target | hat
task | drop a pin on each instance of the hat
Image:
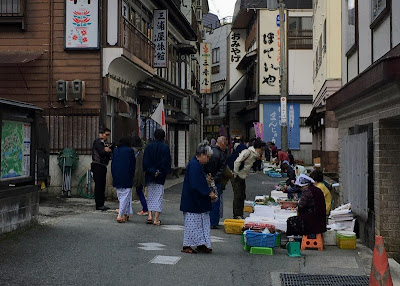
(303, 180)
(285, 161)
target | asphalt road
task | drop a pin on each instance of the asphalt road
(76, 245)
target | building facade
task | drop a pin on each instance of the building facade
(367, 109)
(96, 63)
(327, 74)
(215, 119)
(255, 78)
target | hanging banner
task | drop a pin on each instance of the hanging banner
(205, 68)
(160, 24)
(81, 24)
(270, 52)
(272, 124)
(259, 130)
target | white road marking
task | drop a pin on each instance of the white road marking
(151, 246)
(172, 227)
(216, 239)
(161, 259)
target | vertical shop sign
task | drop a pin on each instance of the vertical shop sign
(205, 68)
(160, 24)
(270, 53)
(81, 24)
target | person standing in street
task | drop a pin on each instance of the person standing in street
(100, 157)
(156, 165)
(196, 203)
(215, 168)
(241, 169)
(123, 170)
(139, 179)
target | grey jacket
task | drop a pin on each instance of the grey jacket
(138, 179)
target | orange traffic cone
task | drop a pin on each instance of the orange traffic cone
(380, 271)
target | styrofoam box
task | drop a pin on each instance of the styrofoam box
(330, 237)
(278, 194)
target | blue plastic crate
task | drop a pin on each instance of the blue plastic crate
(258, 239)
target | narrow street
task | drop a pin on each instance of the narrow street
(75, 245)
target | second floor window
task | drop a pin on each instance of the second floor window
(351, 24)
(300, 32)
(215, 55)
(378, 6)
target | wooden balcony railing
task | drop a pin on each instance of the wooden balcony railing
(13, 11)
(300, 39)
(137, 43)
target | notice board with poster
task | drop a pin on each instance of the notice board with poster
(15, 149)
(82, 25)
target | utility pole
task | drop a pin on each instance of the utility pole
(284, 76)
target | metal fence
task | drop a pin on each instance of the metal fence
(72, 128)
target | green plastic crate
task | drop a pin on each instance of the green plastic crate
(262, 250)
(242, 238)
(246, 247)
(278, 240)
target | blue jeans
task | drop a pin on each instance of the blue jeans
(293, 190)
(139, 192)
(214, 214)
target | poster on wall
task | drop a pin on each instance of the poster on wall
(15, 149)
(270, 53)
(160, 24)
(272, 124)
(82, 24)
(205, 68)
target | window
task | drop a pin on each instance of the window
(300, 30)
(378, 6)
(215, 69)
(351, 25)
(215, 55)
(214, 97)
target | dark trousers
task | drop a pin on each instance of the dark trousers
(239, 195)
(139, 192)
(99, 176)
(215, 211)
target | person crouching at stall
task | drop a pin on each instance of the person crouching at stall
(123, 170)
(311, 217)
(196, 203)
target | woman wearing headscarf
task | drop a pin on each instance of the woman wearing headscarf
(311, 217)
(196, 203)
(123, 169)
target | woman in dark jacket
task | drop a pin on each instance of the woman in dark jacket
(123, 170)
(196, 203)
(311, 209)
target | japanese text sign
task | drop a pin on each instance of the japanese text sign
(270, 53)
(81, 24)
(205, 68)
(160, 24)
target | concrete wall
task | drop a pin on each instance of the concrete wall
(331, 67)
(19, 210)
(300, 65)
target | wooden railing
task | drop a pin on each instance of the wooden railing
(137, 43)
(12, 8)
(300, 39)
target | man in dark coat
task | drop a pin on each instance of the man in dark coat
(156, 165)
(216, 167)
(101, 155)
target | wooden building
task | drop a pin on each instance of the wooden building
(106, 50)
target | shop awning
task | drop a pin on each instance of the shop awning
(19, 57)
(180, 118)
(316, 114)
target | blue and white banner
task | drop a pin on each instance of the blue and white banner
(272, 124)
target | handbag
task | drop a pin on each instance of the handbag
(295, 226)
(214, 189)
